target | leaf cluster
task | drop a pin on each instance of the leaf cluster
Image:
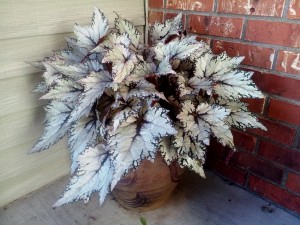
(120, 101)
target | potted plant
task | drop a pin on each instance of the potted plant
(121, 102)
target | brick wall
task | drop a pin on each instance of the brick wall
(267, 33)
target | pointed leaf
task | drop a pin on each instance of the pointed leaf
(57, 113)
(82, 134)
(137, 140)
(89, 36)
(94, 86)
(125, 26)
(93, 175)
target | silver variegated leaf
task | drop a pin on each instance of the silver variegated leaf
(94, 86)
(193, 164)
(167, 150)
(164, 67)
(123, 61)
(64, 90)
(141, 70)
(183, 87)
(129, 109)
(137, 140)
(237, 84)
(178, 49)
(41, 88)
(160, 32)
(57, 113)
(144, 89)
(125, 26)
(198, 129)
(215, 115)
(82, 134)
(51, 75)
(89, 36)
(94, 174)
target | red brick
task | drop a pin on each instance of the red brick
(294, 9)
(254, 55)
(155, 16)
(216, 26)
(172, 15)
(156, 3)
(195, 5)
(243, 140)
(232, 173)
(293, 183)
(260, 8)
(259, 167)
(284, 156)
(205, 40)
(277, 132)
(284, 111)
(255, 105)
(275, 193)
(277, 85)
(276, 33)
(288, 62)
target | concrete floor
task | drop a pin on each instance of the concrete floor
(196, 201)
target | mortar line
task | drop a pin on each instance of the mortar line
(215, 6)
(274, 63)
(285, 8)
(232, 15)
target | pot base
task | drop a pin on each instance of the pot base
(149, 186)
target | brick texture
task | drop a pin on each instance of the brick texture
(284, 111)
(257, 166)
(288, 62)
(283, 156)
(293, 183)
(268, 35)
(155, 16)
(195, 5)
(275, 193)
(277, 85)
(276, 132)
(277, 33)
(216, 26)
(254, 55)
(156, 3)
(260, 8)
(294, 9)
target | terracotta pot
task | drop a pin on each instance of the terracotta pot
(149, 186)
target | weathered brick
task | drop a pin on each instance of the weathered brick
(277, 85)
(278, 33)
(243, 140)
(284, 156)
(216, 26)
(234, 174)
(254, 55)
(255, 105)
(288, 62)
(294, 9)
(205, 40)
(156, 3)
(275, 193)
(195, 5)
(277, 132)
(260, 8)
(155, 16)
(284, 111)
(293, 182)
(257, 166)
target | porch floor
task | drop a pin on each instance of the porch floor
(196, 201)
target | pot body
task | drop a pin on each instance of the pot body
(149, 186)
